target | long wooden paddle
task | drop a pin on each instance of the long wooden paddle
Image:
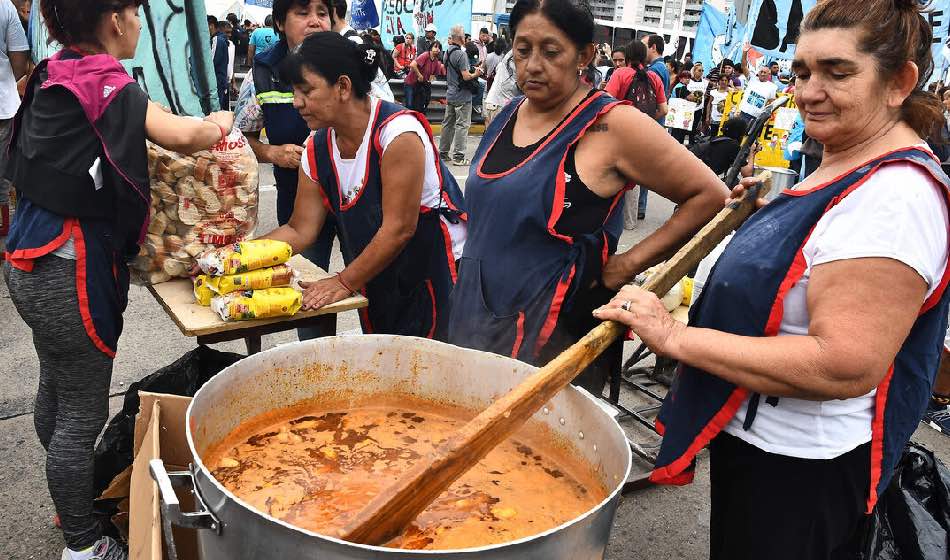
(392, 510)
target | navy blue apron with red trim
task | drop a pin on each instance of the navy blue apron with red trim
(411, 295)
(518, 274)
(744, 296)
(102, 246)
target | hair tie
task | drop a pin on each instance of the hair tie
(369, 56)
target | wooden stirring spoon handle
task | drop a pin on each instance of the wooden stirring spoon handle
(390, 512)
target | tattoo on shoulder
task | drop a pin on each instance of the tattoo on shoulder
(599, 127)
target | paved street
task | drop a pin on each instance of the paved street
(656, 523)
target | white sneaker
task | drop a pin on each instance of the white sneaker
(105, 548)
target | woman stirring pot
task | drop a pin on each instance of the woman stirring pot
(373, 165)
(812, 350)
(544, 199)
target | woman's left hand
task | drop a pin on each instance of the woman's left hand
(644, 313)
(322, 293)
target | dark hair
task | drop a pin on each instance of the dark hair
(636, 53)
(435, 43)
(332, 55)
(572, 17)
(71, 22)
(734, 128)
(483, 30)
(773, 63)
(619, 50)
(676, 65)
(684, 74)
(232, 17)
(282, 8)
(893, 32)
(500, 46)
(247, 22)
(339, 8)
(212, 20)
(471, 49)
(269, 20)
(657, 42)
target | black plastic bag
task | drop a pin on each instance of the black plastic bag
(912, 518)
(184, 378)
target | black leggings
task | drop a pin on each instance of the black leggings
(72, 402)
(772, 506)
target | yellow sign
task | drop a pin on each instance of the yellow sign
(772, 139)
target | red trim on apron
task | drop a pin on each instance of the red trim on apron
(22, 259)
(672, 472)
(447, 237)
(557, 206)
(820, 186)
(877, 437)
(554, 311)
(314, 176)
(519, 337)
(83, 296)
(434, 310)
(331, 135)
(573, 114)
(364, 316)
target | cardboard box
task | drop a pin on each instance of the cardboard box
(159, 434)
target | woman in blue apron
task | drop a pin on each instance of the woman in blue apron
(812, 349)
(544, 199)
(78, 161)
(266, 103)
(373, 166)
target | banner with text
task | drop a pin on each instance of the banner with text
(405, 16)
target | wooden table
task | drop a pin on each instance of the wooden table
(178, 299)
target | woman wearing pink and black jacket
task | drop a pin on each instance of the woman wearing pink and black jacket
(78, 161)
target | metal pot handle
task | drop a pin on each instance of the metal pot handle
(171, 509)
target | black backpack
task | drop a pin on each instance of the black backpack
(470, 85)
(641, 94)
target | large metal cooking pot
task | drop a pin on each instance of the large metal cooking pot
(360, 366)
(782, 178)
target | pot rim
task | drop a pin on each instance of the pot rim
(200, 466)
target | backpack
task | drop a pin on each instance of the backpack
(641, 94)
(470, 85)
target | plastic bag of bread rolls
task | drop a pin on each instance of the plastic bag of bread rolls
(244, 257)
(198, 202)
(257, 304)
(270, 277)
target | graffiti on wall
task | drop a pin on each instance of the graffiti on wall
(173, 59)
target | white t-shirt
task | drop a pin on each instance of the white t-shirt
(12, 39)
(351, 172)
(717, 105)
(756, 97)
(899, 213)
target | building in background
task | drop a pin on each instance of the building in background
(674, 17)
(602, 9)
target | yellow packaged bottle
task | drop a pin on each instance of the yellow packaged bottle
(263, 278)
(257, 304)
(245, 256)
